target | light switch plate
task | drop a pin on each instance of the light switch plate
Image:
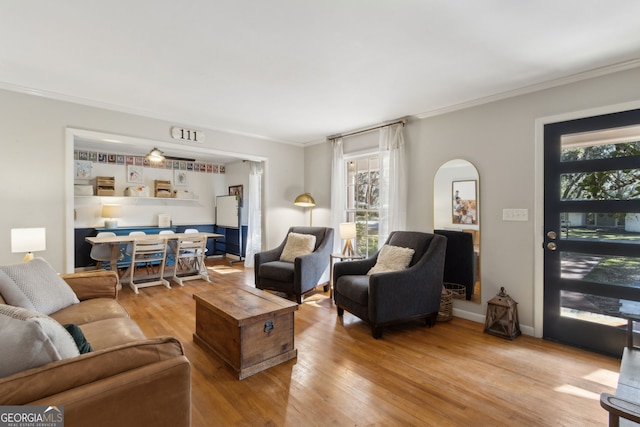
(515, 214)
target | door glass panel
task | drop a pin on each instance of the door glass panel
(595, 308)
(601, 185)
(604, 269)
(605, 151)
(601, 144)
(601, 227)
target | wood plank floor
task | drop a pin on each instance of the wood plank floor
(449, 375)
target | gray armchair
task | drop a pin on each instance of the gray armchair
(383, 299)
(300, 276)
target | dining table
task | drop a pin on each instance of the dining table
(116, 241)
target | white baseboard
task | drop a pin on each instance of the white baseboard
(480, 318)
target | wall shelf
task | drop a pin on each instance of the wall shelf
(138, 200)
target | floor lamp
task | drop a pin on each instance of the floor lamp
(305, 200)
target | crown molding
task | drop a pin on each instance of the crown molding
(596, 72)
(183, 121)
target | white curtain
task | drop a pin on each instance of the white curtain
(393, 181)
(338, 192)
(254, 212)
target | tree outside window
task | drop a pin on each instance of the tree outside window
(363, 201)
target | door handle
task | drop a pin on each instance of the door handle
(552, 235)
(552, 246)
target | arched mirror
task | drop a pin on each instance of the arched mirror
(456, 214)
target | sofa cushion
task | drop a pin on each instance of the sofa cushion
(12, 294)
(297, 245)
(392, 258)
(89, 311)
(41, 284)
(31, 339)
(107, 333)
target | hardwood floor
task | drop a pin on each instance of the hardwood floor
(449, 375)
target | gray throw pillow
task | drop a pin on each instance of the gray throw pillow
(12, 294)
(41, 285)
(31, 339)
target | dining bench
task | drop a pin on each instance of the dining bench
(625, 403)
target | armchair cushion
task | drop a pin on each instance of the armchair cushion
(392, 258)
(357, 290)
(297, 245)
(30, 340)
(42, 286)
(278, 270)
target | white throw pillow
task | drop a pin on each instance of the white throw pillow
(41, 285)
(30, 340)
(297, 245)
(392, 258)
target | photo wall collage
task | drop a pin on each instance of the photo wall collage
(84, 159)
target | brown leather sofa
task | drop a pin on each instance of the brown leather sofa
(127, 380)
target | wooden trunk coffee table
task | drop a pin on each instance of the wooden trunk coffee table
(250, 329)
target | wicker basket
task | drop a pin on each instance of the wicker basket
(446, 306)
(458, 291)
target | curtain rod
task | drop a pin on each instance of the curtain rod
(355, 132)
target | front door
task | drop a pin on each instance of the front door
(592, 229)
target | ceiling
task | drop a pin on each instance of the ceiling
(298, 70)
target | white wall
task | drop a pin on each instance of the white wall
(32, 139)
(499, 138)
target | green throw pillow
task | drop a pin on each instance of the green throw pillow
(78, 337)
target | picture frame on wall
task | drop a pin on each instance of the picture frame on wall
(180, 178)
(135, 174)
(464, 202)
(236, 190)
(83, 169)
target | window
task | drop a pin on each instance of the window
(363, 200)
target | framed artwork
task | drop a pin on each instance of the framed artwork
(464, 208)
(135, 174)
(83, 169)
(235, 190)
(180, 178)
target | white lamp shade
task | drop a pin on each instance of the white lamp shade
(348, 230)
(110, 211)
(28, 239)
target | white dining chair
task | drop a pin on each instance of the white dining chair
(147, 251)
(101, 252)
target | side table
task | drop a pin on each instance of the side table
(341, 257)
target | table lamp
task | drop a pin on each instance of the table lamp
(305, 200)
(110, 212)
(28, 240)
(348, 232)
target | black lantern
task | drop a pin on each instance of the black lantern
(502, 316)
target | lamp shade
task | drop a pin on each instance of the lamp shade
(28, 239)
(305, 200)
(110, 211)
(348, 230)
